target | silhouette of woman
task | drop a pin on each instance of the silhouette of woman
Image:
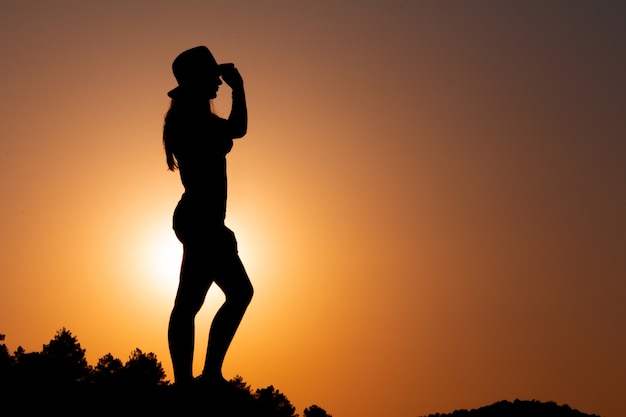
(196, 142)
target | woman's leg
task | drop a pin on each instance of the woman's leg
(234, 282)
(192, 289)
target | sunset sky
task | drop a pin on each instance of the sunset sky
(430, 200)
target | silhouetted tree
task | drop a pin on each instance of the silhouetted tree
(239, 383)
(315, 411)
(60, 374)
(18, 352)
(5, 357)
(274, 403)
(65, 359)
(29, 368)
(143, 370)
(108, 370)
(6, 365)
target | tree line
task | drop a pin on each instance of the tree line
(59, 376)
(518, 408)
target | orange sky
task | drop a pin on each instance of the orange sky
(429, 201)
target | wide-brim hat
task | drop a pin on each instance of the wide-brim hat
(192, 68)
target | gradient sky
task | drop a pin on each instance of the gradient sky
(429, 201)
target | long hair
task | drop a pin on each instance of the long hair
(169, 138)
(178, 122)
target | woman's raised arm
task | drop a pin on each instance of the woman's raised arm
(238, 118)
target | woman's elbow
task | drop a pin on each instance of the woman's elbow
(240, 132)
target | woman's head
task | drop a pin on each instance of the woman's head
(197, 74)
(198, 77)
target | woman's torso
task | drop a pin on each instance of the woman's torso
(201, 145)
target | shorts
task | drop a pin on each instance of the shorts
(194, 225)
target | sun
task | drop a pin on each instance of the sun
(162, 255)
(156, 256)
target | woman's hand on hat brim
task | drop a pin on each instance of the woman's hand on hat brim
(231, 76)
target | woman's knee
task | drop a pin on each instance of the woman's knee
(249, 293)
(242, 296)
(184, 309)
(245, 296)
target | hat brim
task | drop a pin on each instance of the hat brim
(173, 92)
(176, 91)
